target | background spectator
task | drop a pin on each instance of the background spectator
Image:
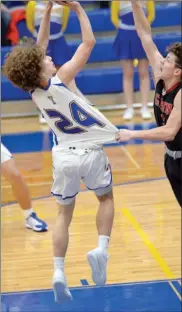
(128, 48)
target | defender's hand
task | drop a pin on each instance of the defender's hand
(124, 135)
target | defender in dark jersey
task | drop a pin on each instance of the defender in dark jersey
(167, 101)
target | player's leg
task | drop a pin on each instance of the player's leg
(99, 179)
(105, 217)
(98, 257)
(65, 187)
(20, 190)
(60, 245)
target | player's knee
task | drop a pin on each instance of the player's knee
(105, 197)
(15, 176)
(12, 174)
(66, 209)
(65, 202)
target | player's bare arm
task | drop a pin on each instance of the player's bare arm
(44, 30)
(164, 133)
(143, 29)
(69, 70)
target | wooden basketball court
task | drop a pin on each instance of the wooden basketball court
(146, 239)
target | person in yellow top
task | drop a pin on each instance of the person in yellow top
(128, 48)
(58, 24)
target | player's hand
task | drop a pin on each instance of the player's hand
(74, 5)
(124, 135)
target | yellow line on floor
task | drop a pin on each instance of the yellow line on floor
(153, 250)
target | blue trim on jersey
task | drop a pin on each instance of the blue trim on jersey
(55, 137)
(56, 140)
(64, 197)
(61, 85)
(46, 88)
(43, 88)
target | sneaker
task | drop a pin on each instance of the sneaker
(145, 113)
(61, 291)
(128, 114)
(97, 259)
(36, 224)
(42, 120)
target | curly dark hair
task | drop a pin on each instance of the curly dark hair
(23, 66)
(176, 49)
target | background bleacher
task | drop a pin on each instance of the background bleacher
(103, 74)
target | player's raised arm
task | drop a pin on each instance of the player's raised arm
(143, 29)
(69, 70)
(44, 30)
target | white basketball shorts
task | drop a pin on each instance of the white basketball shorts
(5, 154)
(70, 166)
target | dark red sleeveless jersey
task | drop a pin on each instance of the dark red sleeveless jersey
(163, 105)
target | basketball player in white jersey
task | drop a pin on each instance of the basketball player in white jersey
(20, 190)
(79, 132)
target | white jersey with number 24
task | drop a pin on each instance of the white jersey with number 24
(72, 120)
